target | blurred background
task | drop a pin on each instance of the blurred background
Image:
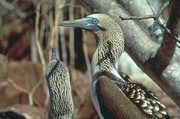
(28, 31)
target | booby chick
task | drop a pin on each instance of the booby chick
(110, 45)
(58, 80)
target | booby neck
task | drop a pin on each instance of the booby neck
(110, 45)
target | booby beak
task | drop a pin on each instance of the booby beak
(87, 23)
(53, 57)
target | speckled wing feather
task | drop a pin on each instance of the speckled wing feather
(144, 99)
(114, 104)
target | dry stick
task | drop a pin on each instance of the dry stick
(1, 28)
(85, 46)
(59, 4)
(62, 35)
(45, 10)
(37, 36)
(55, 25)
(34, 53)
(30, 93)
(71, 33)
(42, 30)
(59, 17)
(10, 7)
(39, 105)
(63, 43)
(51, 25)
(16, 86)
(34, 89)
(71, 40)
(30, 96)
(53, 31)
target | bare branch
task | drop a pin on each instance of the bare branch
(27, 91)
(32, 91)
(16, 86)
(85, 49)
(62, 39)
(37, 35)
(154, 16)
(11, 8)
(168, 45)
(71, 34)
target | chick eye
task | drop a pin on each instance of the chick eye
(95, 21)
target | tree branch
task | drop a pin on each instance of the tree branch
(143, 8)
(154, 16)
(167, 48)
(141, 47)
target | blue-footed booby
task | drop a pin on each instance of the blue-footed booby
(110, 45)
(58, 80)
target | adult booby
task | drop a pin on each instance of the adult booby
(110, 45)
(58, 80)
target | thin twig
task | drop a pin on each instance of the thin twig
(71, 34)
(1, 28)
(31, 93)
(16, 86)
(63, 42)
(37, 85)
(34, 54)
(37, 35)
(85, 49)
(71, 40)
(51, 26)
(11, 8)
(154, 16)
(28, 91)
(54, 30)
(61, 30)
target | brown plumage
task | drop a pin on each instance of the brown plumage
(61, 103)
(143, 98)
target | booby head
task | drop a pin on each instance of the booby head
(90, 23)
(98, 24)
(109, 37)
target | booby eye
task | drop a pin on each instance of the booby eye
(95, 21)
